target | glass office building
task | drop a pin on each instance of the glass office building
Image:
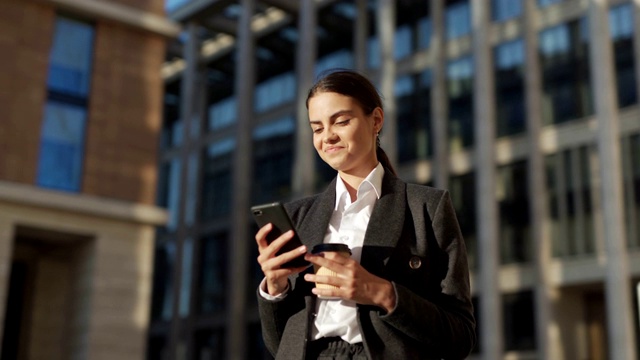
(526, 110)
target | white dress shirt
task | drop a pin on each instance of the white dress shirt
(348, 225)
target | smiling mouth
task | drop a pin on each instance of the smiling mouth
(332, 149)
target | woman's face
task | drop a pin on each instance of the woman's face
(343, 135)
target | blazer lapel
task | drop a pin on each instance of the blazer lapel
(385, 224)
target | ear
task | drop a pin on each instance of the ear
(378, 119)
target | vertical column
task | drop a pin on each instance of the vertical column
(188, 112)
(617, 279)
(486, 204)
(361, 35)
(548, 347)
(386, 25)
(306, 52)
(242, 179)
(439, 110)
(6, 258)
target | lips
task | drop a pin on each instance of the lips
(332, 149)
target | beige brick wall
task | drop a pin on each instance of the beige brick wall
(125, 114)
(25, 40)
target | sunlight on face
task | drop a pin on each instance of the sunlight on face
(343, 135)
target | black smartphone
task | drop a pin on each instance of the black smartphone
(275, 214)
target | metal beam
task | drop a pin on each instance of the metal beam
(290, 6)
(221, 24)
(198, 10)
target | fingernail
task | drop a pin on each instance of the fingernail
(302, 249)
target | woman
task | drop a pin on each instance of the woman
(404, 292)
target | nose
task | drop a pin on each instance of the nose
(329, 136)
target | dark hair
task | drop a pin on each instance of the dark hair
(353, 84)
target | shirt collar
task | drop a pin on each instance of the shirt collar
(373, 180)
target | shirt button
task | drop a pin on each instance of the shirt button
(415, 262)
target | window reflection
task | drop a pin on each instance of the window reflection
(515, 223)
(169, 191)
(164, 262)
(543, 3)
(570, 202)
(464, 202)
(519, 321)
(564, 53)
(457, 18)
(509, 82)
(273, 160)
(460, 90)
(216, 179)
(210, 344)
(172, 128)
(506, 9)
(65, 114)
(413, 96)
(212, 279)
(621, 26)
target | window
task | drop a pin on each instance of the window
(223, 113)
(217, 184)
(210, 344)
(164, 263)
(564, 52)
(169, 191)
(413, 95)
(403, 42)
(212, 279)
(457, 18)
(569, 184)
(273, 160)
(543, 3)
(519, 321)
(631, 166)
(460, 91)
(171, 135)
(65, 114)
(506, 9)
(276, 91)
(509, 80)
(621, 24)
(515, 225)
(464, 202)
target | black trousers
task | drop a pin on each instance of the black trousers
(334, 348)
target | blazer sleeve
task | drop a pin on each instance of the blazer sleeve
(444, 320)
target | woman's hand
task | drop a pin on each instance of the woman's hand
(271, 264)
(353, 281)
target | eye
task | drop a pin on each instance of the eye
(343, 122)
(317, 130)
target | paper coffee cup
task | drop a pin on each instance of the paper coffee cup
(340, 249)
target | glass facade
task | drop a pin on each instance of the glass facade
(519, 321)
(65, 114)
(570, 188)
(414, 116)
(511, 116)
(621, 27)
(567, 142)
(566, 79)
(460, 89)
(513, 204)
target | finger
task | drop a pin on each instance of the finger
(261, 235)
(336, 265)
(324, 279)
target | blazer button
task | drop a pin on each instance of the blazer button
(415, 262)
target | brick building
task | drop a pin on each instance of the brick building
(80, 117)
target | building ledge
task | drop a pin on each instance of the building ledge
(105, 10)
(29, 195)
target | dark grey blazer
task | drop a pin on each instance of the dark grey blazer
(433, 318)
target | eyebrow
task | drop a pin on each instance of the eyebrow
(335, 115)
